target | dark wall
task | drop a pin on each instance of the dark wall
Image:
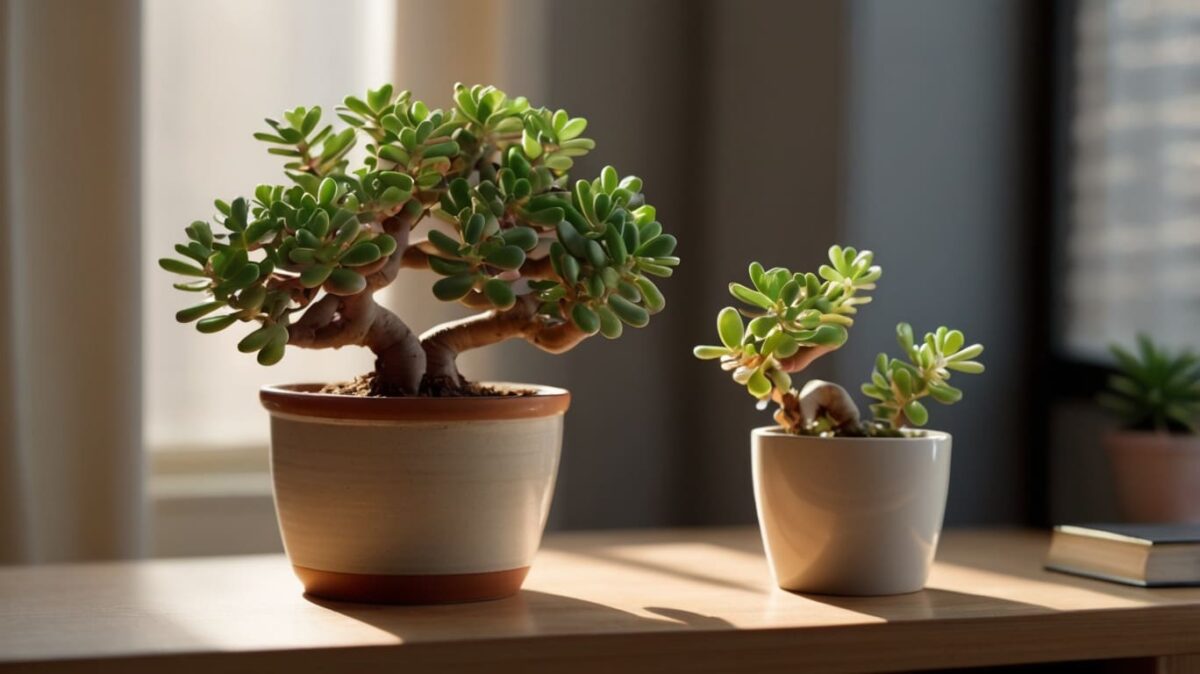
(944, 106)
(685, 94)
(770, 130)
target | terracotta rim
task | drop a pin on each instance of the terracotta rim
(425, 589)
(304, 401)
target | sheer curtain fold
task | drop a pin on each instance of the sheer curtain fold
(71, 459)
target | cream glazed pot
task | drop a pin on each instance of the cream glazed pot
(413, 500)
(850, 516)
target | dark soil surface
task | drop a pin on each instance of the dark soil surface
(364, 386)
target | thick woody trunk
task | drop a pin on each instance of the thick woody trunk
(399, 359)
(817, 400)
(404, 363)
(445, 342)
(334, 322)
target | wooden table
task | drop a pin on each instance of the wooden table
(652, 601)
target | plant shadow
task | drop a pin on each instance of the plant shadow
(529, 613)
(926, 604)
(1026, 562)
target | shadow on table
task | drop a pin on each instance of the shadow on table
(1021, 557)
(526, 614)
(688, 572)
(929, 603)
(1025, 560)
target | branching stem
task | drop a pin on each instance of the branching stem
(445, 342)
(335, 321)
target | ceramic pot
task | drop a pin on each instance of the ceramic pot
(413, 500)
(850, 516)
(1157, 475)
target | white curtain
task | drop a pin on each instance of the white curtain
(71, 460)
(211, 72)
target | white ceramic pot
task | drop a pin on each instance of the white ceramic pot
(1157, 475)
(413, 500)
(850, 516)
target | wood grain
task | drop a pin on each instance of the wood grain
(1178, 664)
(653, 601)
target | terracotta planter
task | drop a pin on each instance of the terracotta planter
(850, 516)
(413, 500)
(1157, 475)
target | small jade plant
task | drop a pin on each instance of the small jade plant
(542, 259)
(794, 318)
(1155, 389)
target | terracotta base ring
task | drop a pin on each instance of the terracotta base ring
(429, 589)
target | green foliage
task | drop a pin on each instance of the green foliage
(297, 138)
(1155, 389)
(602, 242)
(788, 312)
(792, 312)
(899, 386)
(492, 168)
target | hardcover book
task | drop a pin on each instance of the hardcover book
(1147, 555)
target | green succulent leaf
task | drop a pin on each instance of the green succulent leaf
(273, 351)
(524, 238)
(180, 267)
(444, 242)
(711, 352)
(730, 327)
(758, 385)
(967, 366)
(749, 296)
(213, 324)
(610, 326)
(344, 281)
(258, 339)
(453, 288)
(916, 413)
(192, 313)
(585, 318)
(629, 312)
(507, 257)
(499, 293)
(315, 275)
(652, 297)
(361, 253)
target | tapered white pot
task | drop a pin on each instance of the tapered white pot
(850, 516)
(413, 500)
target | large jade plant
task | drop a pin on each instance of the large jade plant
(544, 260)
(795, 318)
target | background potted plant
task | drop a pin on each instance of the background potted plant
(845, 506)
(413, 484)
(1156, 455)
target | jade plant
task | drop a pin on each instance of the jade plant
(1155, 389)
(540, 258)
(790, 319)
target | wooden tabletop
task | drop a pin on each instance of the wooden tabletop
(682, 600)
